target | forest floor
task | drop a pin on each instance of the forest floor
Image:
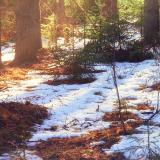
(16, 124)
(83, 119)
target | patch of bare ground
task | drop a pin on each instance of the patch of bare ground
(11, 74)
(155, 87)
(142, 87)
(115, 116)
(143, 107)
(80, 148)
(17, 122)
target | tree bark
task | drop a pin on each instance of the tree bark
(59, 10)
(159, 14)
(28, 31)
(0, 38)
(110, 9)
(151, 20)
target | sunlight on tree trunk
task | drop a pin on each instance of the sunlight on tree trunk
(28, 32)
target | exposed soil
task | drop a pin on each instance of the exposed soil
(144, 107)
(155, 87)
(115, 116)
(17, 122)
(80, 148)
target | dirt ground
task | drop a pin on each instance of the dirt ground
(17, 121)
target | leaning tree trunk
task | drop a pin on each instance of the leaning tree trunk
(110, 10)
(28, 32)
(151, 20)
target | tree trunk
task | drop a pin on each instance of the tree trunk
(0, 38)
(159, 15)
(28, 31)
(60, 12)
(151, 20)
(110, 9)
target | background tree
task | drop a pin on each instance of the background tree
(151, 20)
(159, 15)
(109, 9)
(28, 30)
(60, 12)
(0, 38)
(1, 8)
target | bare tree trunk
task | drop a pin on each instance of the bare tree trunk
(110, 9)
(159, 14)
(62, 15)
(60, 12)
(151, 20)
(28, 32)
(0, 38)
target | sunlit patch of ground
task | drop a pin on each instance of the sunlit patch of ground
(11, 75)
